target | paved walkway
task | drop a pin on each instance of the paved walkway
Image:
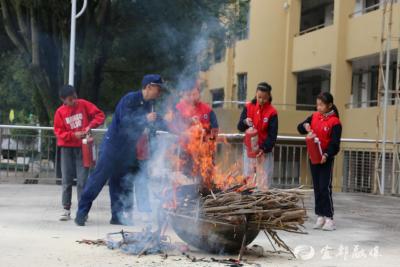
(30, 234)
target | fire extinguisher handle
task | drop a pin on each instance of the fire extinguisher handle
(248, 122)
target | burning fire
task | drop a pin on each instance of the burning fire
(201, 151)
(198, 151)
(193, 161)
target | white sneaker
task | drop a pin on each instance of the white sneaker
(66, 215)
(319, 223)
(329, 225)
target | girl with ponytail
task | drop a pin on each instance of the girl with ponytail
(261, 115)
(325, 124)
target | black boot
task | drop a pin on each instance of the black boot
(116, 221)
(80, 220)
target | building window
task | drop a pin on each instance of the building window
(373, 90)
(309, 85)
(315, 15)
(365, 6)
(371, 5)
(242, 87)
(219, 51)
(364, 92)
(217, 96)
(243, 22)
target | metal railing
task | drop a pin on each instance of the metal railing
(360, 104)
(311, 29)
(359, 171)
(290, 159)
(29, 155)
(238, 102)
(374, 102)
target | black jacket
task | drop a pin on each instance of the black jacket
(269, 143)
(336, 134)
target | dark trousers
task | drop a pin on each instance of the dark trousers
(104, 170)
(72, 167)
(121, 180)
(134, 186)
(322, 182)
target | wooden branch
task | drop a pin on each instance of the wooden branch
(279, 241)
(10, 30)
(102, 12)
(23, 27)
(275, 209)
(35, 38)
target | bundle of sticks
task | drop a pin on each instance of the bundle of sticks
(276, 209)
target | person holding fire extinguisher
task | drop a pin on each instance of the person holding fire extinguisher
(72, 123)
(189, 112)
(259, 121)
(118, 152)
(325, 125)
(134, 185)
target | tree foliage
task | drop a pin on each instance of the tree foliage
(117, 43)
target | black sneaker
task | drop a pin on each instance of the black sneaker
(80, 221)
(116, 221)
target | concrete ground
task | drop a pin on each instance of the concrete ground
(368, 234)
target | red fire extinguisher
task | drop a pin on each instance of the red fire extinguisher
(88, 152)
(142, 146)
(314, 148)
(251, 142)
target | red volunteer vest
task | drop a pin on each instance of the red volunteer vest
(201, 112)
(322, 127)
(261, 116)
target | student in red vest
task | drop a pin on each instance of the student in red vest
(325, 124)
(261, 114)
(190, 111)
(72, 122)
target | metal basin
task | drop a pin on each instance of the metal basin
(211, 236)
(207, 235)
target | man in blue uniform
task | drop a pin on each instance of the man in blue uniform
(118, 150)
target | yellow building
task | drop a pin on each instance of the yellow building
(302, 47)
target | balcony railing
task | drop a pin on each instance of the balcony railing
(369, 103)
(314, 28)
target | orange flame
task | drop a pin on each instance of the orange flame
(200, 151)
(197, 150)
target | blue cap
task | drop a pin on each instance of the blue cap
(152, 79)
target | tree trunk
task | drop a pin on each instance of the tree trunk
(40, 31)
